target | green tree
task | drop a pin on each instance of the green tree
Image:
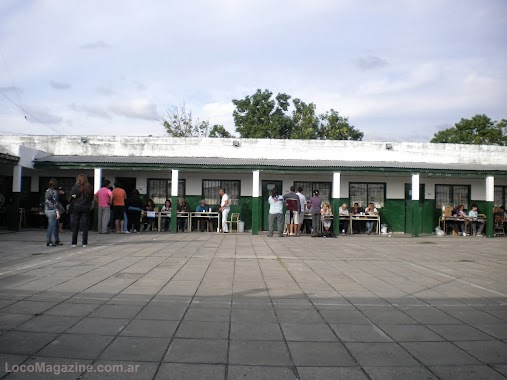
(180, 123)
(305, 120)
(262, 116)
(480, 129)
(219, 131)
(336, 127)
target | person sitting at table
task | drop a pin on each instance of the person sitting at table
(149, 223)
(182, 221)
(474, 214)
(457, 225)
(134, 206)
(370, 224)
(326, 214)
(344, 212)
(167, 220)
(356, 210)
(201, 220)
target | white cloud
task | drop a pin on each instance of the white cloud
(136, 109)
(59, 85)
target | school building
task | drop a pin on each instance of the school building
(408, 182)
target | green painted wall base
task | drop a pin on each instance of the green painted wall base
(336, 205)
(256, 215)
(416, 218)
(488, 211)
(174, 214)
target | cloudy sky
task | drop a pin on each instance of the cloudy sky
(400, 70)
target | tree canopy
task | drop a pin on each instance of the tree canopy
(480, 129)
(263, 116)
(180, 123)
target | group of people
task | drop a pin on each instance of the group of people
(356, 210)
(80, 205)
(458, 224)
(296, 206)
(116, 211)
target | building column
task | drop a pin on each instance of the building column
(490, 204)
(174, 200)
(97, 184)
(256, 202)
(97, 179)
(13, 208)
(336, 202)
(416, 212)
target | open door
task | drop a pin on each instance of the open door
(267, 186)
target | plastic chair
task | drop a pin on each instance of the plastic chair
(234, 219)
(499, 230)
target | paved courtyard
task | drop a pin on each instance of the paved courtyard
(209, 306)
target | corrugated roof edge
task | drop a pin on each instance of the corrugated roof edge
(238, 162)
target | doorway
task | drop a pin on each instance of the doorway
(127, 183)
(267, 186)
(409, 221)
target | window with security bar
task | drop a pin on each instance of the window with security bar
(500, 196)
(365, 193)
(452, 195)
(160, 189)
(211, 188)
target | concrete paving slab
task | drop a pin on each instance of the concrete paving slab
(400, 373)
(76, 346)
(331, 373)
(439, 353)
(197, 351)
(236, 372)
(182, 371)
(256, 331)
(320, 354)
(150, 328)
(136, 349)
(348, 307)
(259, 353)
(481, 372)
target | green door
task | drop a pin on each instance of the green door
(409, 221)
(267, 186)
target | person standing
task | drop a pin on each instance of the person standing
(275, 201)
(51, 205)
(291, 215)
(302, 204)
(134, 206)
(81, 197)
(225, 207)
(315, 203)
(103, 198)
(118, 200)
(370, 224)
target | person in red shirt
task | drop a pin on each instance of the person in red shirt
(118, 200)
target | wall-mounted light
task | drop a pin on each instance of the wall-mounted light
(84, 140)
(235, 143)
(389, 146)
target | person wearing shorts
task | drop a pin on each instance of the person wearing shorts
(292, 206)
(118, 200)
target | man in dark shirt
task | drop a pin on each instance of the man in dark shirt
(292, 205)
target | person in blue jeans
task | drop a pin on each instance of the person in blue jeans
(370, 224)
(51, 205)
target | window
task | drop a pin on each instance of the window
(500, 196)
(160, 189)
(452, 195)
(210, 189)
(364, 193)
(308, 188)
